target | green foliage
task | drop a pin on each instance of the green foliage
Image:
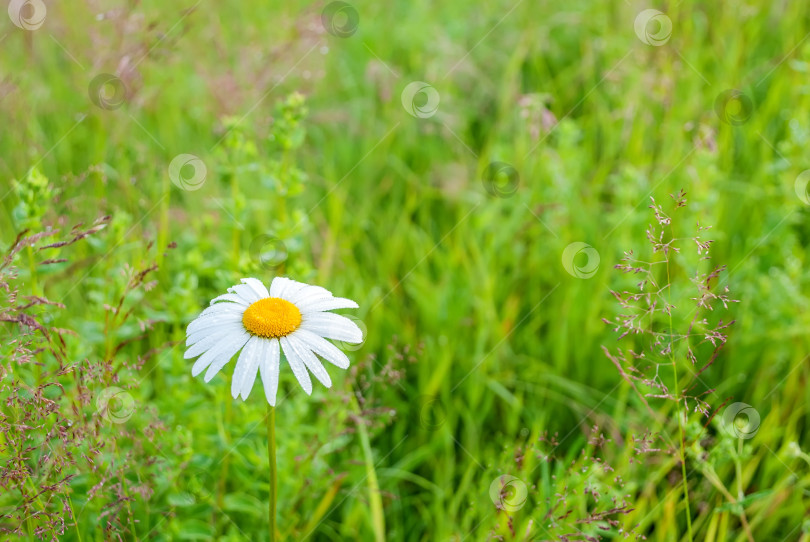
(480, 342)
(33, 196)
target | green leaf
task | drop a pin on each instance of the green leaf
(737, 507)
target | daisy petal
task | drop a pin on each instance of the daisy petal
(202, 340)
(257, 286)
(323, 348)
(312, 363)
(222, 347)
(332, 326)
(230, 297)
(213, 322)
(297, 365)
(269, 367)
(245, 292)
(252, 368)
(221, 309)
(320, 305)
(242, 363)
(284, 288)
(233, 344)
(197, 336)
(309, 293)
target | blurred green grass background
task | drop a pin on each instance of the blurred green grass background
(507, 344)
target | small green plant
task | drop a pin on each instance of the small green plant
(675, 333)
(253, 166)
(65, 455)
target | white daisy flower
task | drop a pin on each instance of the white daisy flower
(290, 318)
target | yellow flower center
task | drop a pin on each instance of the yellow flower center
(271, 317)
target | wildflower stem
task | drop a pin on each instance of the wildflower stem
(73, 516)
(683, 453)
(678, 401)
(270, 420)
(375, 500)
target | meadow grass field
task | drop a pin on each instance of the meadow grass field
(522, 198)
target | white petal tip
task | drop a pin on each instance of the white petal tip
(271, 400)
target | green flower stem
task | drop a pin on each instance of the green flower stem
(374, 497)
(270, 420)
(681, 421)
